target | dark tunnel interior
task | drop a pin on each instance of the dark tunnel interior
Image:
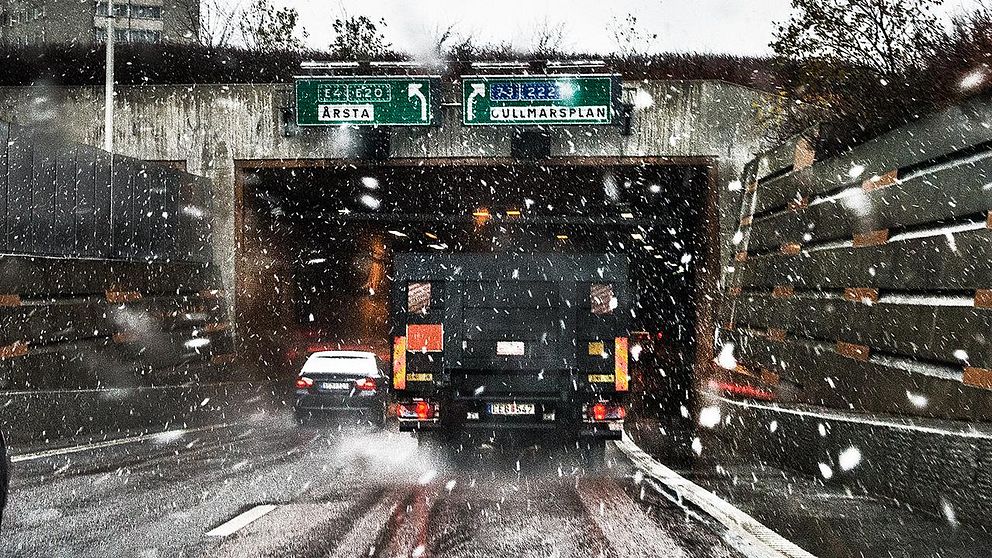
(317, 242)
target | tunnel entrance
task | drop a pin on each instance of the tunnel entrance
(316, 241)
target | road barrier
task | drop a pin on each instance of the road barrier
(67, 200)
(106, 272)
(863, 279)
(862, 284)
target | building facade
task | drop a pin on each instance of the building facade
(74, 22)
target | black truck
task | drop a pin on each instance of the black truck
(490, 343)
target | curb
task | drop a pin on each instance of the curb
(745, 533)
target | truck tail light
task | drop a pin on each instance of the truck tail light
(365, 384)
(418, 410)
(399, 363)
(304, 383)
(423, 410)
(621, 378)
(604, 411)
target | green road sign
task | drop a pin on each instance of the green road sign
(366, 100)
(537, 100)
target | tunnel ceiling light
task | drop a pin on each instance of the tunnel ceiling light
(397, 233)
(316, 261)
(637, 236)
(513, 213)
(481, 216)
(627, 215)
(561, 236)
(430, 235)
(655, 188)
(440, 246)
(648, 247)
(344, 211)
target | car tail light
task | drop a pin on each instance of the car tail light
(418, 410)
(365, 384)
(304, 383)
(599, 412)
(621, 379)
(604, 411)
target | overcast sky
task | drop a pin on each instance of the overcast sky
(725, 26)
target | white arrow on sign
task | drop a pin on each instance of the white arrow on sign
(413, 90)
(478, 90)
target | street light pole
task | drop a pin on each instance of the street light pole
(108, 111)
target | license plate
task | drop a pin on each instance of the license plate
(510, 348)
(511, 409)
(335, 385)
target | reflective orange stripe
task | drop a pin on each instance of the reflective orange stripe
(620, 364)
(399, 363)
(425, 337)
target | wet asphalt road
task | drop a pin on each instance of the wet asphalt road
(337, 491)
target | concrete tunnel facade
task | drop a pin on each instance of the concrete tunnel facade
(220, 131)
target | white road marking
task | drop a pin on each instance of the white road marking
(757, 538)
(167, 435)
(114, 390)
(241, 521)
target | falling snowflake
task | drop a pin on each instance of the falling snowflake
(709, 416)
(726, 358)
(825, 471)
(849, 458)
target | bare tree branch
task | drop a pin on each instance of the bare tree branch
(884, 36)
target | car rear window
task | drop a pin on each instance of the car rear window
(364, 366)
